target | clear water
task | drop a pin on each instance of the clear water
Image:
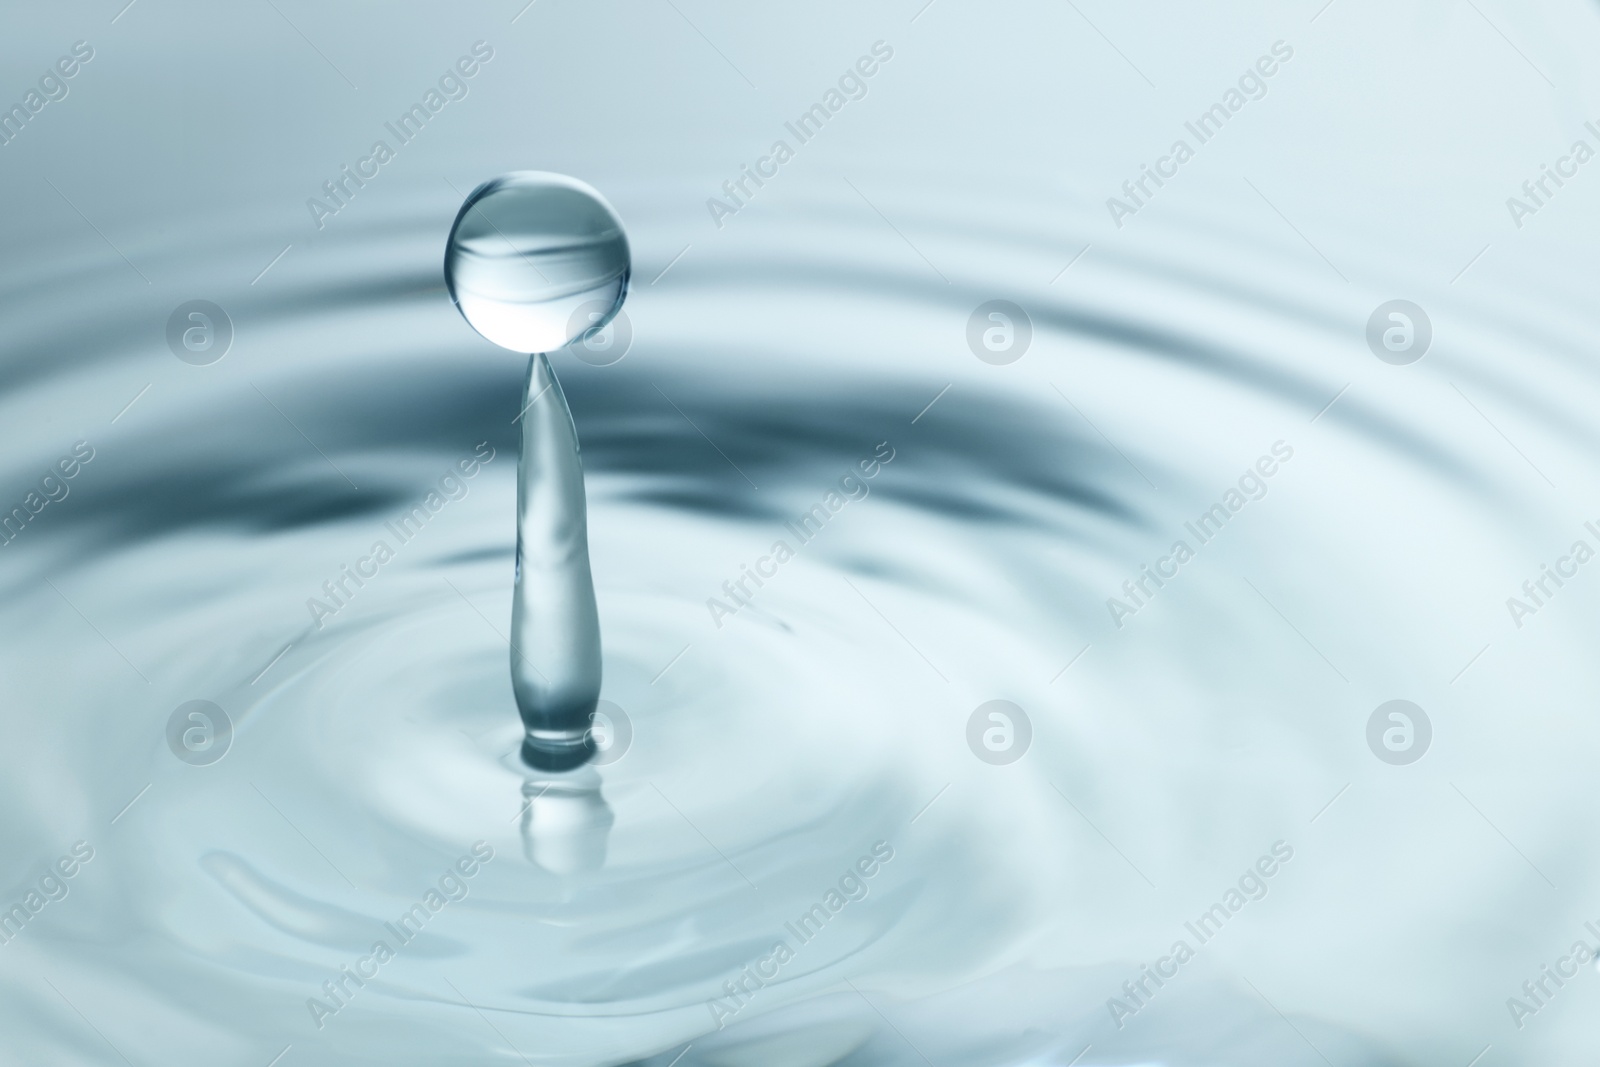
(370, 751)
(536, 261)
(555, 628)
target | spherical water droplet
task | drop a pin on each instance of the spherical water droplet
(527, 250)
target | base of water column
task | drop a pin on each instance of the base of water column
(557, 750)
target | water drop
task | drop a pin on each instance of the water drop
(528, 252)
(535, 261)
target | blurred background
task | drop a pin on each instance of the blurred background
(1338, 346)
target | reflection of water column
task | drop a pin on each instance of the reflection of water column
(555, 626)
(565, 822)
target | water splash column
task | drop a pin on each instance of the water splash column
(535, 261)
(555, 626)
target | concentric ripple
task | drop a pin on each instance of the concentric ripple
(796, 768)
